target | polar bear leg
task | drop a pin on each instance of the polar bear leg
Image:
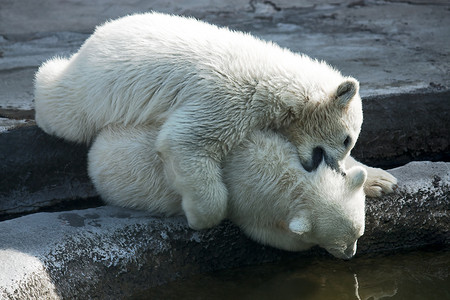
(126, 171)
(193, 167)
(378, 181)
(199, 181)
(204, 201)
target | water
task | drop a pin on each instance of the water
(418, 275)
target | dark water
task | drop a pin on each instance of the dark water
(415, 275)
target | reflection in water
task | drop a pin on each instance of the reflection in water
(384, 289)
(416, 275)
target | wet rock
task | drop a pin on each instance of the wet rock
(112, 252)
(38, 171)
(401, 128)
(415, 215)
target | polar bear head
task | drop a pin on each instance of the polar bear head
(278, 203)
(331, 213)
(328, 126)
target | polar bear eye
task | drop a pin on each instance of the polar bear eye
(347, 141)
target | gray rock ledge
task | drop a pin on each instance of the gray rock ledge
(109, 252)
(38, 171)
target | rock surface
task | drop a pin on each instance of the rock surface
(108, 252)
(39, 171)
(390, 46)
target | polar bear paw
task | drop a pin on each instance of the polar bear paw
(379, 183)
(207, 210)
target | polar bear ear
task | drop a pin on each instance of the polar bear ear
(356, 177)
(346, 91)
(300, 224)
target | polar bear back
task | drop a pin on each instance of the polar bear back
(138, 69)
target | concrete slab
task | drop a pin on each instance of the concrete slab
(111, 252)
(390, 46)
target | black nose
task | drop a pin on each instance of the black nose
(317, 157)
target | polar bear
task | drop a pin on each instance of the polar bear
(207, 88)
(271, 196)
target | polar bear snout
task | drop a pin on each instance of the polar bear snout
(350, 251)
(333, 164)
(346, 253)
(316, 158)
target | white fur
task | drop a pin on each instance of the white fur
(378, 181)
(206, 88)
(141, 68)
(271, 197)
